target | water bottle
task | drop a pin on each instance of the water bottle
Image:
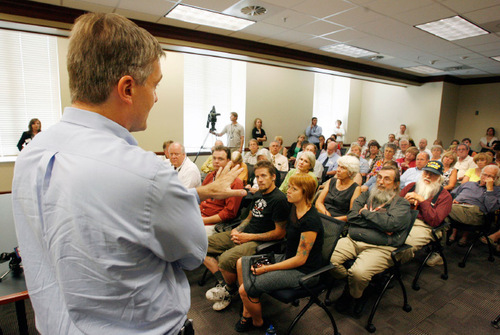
(271, 330)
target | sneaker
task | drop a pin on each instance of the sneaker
(218, 293)
(222, 304)
(434, 260)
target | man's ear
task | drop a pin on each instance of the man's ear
(125, 88)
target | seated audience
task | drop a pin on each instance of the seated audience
(236, 159)
(321, 146)
(166, 157)
(373, 155)
(436, 152)
(279, 161)
(390, 150)
(494, 238)
(214, 211)
(318, 168)
(455, 142)
(433, 204)
(208, 165)
(449, 172)
(438, 142)
(422, 146)
(370, 183)
(339, 193)
(304, 232)
(295, 148)
(253, 186)
(329, 159)
(265, 222)
(409, 160)
(250, 157)
(487, 141)
(473, 200)
(188, 172)
(403, 146)
(413, 174)
(377, 223)
(283, 150)
(474, 174)
(468, 142)
(364, 168)
(464, 162)
(305, 164)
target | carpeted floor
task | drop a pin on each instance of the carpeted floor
(464, 304)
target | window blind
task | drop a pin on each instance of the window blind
(29, 85)
(211, 81)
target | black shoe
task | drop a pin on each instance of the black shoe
(344, 303)
(359, 306)
(246, 324)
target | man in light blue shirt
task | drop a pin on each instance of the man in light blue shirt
(412, 175)
(105, 228)
(329, 159)
(313, 131)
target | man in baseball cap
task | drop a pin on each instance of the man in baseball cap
(433, 204)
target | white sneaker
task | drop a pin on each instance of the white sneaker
(222, 304)
(217, 293)
(434, 260)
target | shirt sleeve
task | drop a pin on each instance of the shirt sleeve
(433, 216)
(176, 228)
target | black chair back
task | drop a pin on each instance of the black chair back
(332, 230)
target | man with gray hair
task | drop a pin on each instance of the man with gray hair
(279, 161)
(403, 145)
(188, 172)
(473, 200)
(464, 161)
(329, 159)
(106, 229)
(433, 204)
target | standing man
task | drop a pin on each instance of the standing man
(402, 133)
(313, 132)
(235, 133)
(188, 172)
(106, 229)
(279, 161)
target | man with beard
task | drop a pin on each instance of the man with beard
(377, 223)
(433, 204)
(265, 222)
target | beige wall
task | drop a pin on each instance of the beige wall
(385, 107)
(282, 98)
(482, 98)
(448, 116)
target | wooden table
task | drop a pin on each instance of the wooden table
(13, 289)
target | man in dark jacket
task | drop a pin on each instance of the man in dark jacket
(378, 223)
(433, 204)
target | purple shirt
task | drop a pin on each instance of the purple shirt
(473, 194)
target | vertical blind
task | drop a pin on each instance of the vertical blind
(29, 85)
(331, 101)
(211, 81)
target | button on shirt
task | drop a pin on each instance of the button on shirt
(106, 230)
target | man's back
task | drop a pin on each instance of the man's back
(102, 239)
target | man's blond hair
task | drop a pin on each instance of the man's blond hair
(102, 49)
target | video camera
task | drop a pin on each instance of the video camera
(212, 119)
(14, 264)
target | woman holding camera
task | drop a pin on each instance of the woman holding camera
(304, 233)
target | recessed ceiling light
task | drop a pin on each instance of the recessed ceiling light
(348, 50)
(423, 69)
(497, 58)
(208, 18)
(453, 28)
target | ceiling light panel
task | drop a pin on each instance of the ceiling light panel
(453, 28)
(208, 18)
(423, 69)
(348, 50)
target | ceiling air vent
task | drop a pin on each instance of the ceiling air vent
(253, 10)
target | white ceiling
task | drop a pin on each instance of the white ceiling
(383, 26)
